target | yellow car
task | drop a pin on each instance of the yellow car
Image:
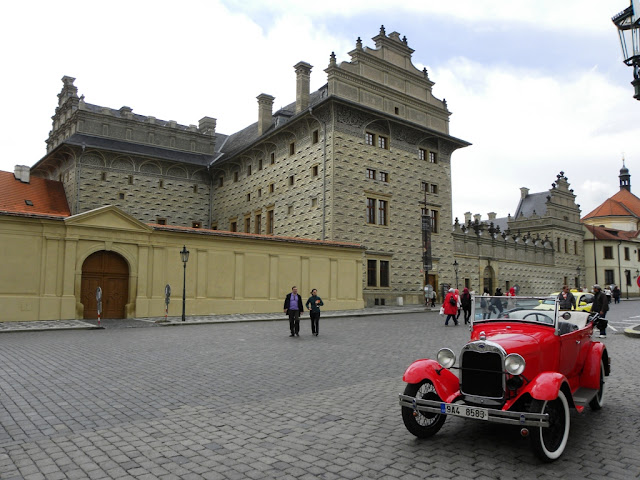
(583, 301)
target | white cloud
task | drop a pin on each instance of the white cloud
(526, 127)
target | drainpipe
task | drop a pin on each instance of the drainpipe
(619, 269)
(324, 170)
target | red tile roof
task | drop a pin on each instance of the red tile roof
(47, 197)
(624, 203)
(604, 233)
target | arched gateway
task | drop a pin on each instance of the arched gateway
(109, 271)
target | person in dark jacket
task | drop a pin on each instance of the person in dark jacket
(293, 308)
(465, 302)
(566, 299)
(600, 306)
(313, 305)
(496, 303)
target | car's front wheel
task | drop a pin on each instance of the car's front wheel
(422, 424)
(549, 442)
(597, 401)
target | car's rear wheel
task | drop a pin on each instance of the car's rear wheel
(422, 424)
(549, 442)
(597, 401)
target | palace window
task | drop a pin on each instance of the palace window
(626, 253)
(378, 273)
(608, 255)
(161, 221)
(314, 171)
(369, 138)
(377, 211)
(270, 221)
(196, 224)
(383, 177)
(233, 227)
(258, 223)
(221, 181)
(248, 170)
(291, 180)
(235, 176)
(433, 157)
(371, 174)
(271, 188)
(435, 218)
(377, 140)
(315, 136)
(422, 154)
(273, 158)
(292, 148)
(247, 224)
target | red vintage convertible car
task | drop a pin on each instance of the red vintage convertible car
(522, 367)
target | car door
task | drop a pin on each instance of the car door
(570, 346)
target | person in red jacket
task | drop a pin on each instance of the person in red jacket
(450, 306)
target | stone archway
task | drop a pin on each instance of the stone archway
(109, 271)
(488, 277)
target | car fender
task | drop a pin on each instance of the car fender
(444, 381)
(545, 386)
(590, 376)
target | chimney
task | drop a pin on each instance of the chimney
(22, 173)
(207, 126)
(524, 192)
(492, 215)
(477, 217)
(265, 112)
(303, 74)
(467, 217)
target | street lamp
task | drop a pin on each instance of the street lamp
(578, 270)
(184, 255)
(628, 24)
(455, 267)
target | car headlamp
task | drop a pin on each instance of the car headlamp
(514, 364)
(446, 357)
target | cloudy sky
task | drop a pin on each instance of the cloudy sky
(537, 87)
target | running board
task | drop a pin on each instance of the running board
(583, 396)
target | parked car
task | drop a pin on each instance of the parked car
(527, 368)
(583, 301)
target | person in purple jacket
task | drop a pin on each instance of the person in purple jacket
(293, 308)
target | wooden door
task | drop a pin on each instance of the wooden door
(110, 272)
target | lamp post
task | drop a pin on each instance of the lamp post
(578, 270)
(184, 255)
(628, 24)
(455, 267)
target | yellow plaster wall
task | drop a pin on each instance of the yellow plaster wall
(42, 268)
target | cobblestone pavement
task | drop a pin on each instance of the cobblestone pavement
(244, 400)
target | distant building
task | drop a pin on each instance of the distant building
(537, 250)
(612, 239)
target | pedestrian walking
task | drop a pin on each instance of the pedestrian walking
(465, 301)
(600, 306)
(450, 306)
(313, 305)
(434, 295)
(616, 294)
(293, 308)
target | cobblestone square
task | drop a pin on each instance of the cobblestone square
(244, 400)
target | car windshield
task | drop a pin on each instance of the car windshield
(539, 310)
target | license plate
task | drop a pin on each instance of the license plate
(464, 411)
